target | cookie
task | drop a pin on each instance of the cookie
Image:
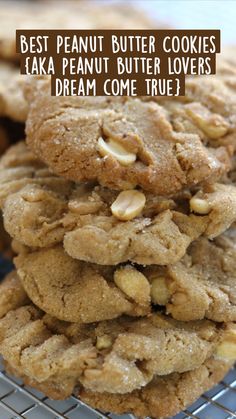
(202, 284)
(12, 102)
(115, 356)
(76, 15)
(4, 237)
(141, 142)
(163, 397)
(102, 226)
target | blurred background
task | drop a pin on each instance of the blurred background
(195, 14)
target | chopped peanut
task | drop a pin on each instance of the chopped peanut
(116, 150)
(159, 292)
(128, 205)
(199, 205)
(133, 283)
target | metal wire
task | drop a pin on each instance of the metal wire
(20, 401)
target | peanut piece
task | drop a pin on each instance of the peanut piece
(199, 205)
(213, 125)
(159, 292)
(116, 150)
(133, 283)
(227, 348)
(179, 298)
(103, 342)
(128, 205)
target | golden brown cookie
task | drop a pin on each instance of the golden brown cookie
(119, 141)
(104, 226)
(115, 356)
(12, 294)
(160, 234)
(163, 397)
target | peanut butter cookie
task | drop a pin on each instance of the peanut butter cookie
(161, 146)
(104, 226)
(4, 140)
(12, 102)
(202, 284)
(116, 356)
(75, 15)
(163, 397)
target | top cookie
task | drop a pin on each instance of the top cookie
(161, 146)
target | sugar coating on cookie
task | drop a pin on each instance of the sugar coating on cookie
(73, 16)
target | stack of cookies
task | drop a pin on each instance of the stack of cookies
(122, 216)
